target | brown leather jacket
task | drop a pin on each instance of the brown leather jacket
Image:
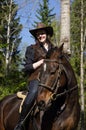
(33, 54)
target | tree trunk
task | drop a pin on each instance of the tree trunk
(81, 70)
(65, 25)
(8, 37)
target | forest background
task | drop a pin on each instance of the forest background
(13, 44)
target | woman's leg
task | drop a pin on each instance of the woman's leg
(29, 101)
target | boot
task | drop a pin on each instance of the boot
(20, 125)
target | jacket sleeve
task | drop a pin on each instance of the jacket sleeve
(29, 60)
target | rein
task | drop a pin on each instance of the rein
(54, 96)
(54, 88)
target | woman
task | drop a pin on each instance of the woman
(35, 55)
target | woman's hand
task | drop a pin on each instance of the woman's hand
(38, 63)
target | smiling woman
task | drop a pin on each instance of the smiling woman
(41, 36)
(34, 58)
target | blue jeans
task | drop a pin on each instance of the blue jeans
(30, 98)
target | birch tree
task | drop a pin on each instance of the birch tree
(82, 68)
(8, 34)
(11, 29)
(65, 25)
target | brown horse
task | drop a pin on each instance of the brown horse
(59, 93)
(57, 104)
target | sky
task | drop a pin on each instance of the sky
(26, 12)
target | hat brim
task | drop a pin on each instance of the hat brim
(49, 31)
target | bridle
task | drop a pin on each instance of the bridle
(56, 84)
(56, 81)
(57, 73)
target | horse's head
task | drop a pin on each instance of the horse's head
(52, 78)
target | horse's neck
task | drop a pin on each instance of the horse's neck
(69, 74)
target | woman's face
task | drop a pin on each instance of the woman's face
(41, 36)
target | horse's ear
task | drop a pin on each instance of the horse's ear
(61, 47)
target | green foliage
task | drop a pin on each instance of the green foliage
(75, 20)
(11, 79)
(76, 40)
(56, 36)
(44, 14)
(9, 23)
(12, 83)
(76, 33)
(75, 63)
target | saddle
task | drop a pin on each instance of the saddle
(21, 95)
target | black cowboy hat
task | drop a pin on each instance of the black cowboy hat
(41, 26)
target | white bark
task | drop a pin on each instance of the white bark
(82, 69)
(82, 46)
(8, 36)
(65, 25)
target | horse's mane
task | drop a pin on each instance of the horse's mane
(55, 49)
